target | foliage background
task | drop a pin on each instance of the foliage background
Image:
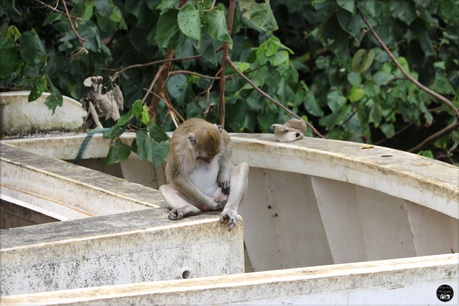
(320, 63)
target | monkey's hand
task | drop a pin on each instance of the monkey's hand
(211, 204)
(225, 186)
(229, 215)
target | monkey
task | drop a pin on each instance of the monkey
(201, 176)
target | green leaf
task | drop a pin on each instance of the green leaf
(166, 4)
(13, 33)
(362, 60)
(31, 48)
(381, 78)
(403, 10)
(364, 112)
(242, 66)
(449, 10)
(104, 8)
(351, 23)
(168, 34)
(266, 119)
(375, 114)
(279, 58)
(189, 21)
(124, 119)
(149, 150)
(426, 153)
(442, 85)
(354, 78)
(54, 99)
(216, 26)
(207, 48)
(372, 89)
(38, 88)
(117, 153)
(335, 101)
(145, 118)
(157, 133)
(8, 58)
(51, 18)
(254, 103)
(355, 94)
(137, 109)
(333, 37)
(348, 5)
(115, 131)
(311, 105)
(404, 63)
(176, 86)
(260, 15)
(388, 129)
(272, 46)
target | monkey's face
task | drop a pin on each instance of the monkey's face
(205, 159)
(208, 145)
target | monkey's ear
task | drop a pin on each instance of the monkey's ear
(192, 139)
(220, 128)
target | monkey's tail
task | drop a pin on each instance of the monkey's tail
(86, 141)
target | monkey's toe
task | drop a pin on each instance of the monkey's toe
(174, 214)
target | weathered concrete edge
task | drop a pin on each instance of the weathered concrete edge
(424, 181)
(86, 178)
(275, 286)
(117, 249)
(67, 118)
(49, 234)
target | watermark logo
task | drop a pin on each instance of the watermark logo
(445, 293)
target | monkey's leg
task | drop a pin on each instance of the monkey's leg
(180, 207)
(239, 181)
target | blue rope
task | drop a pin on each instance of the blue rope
(85, 143)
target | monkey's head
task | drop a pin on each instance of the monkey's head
(206, 143)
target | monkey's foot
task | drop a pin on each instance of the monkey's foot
(175, 214)
(229, 215)
(179, 213)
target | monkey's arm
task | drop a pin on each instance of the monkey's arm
(239, 179)
(225, 165)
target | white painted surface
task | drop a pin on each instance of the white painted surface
(134, 247)
(20, 117)
(67, 189)
(409, 281)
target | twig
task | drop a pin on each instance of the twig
(81, 39)
(434, 137)
(56, 10)
(123, 69)
(264, 94)
(395, 134)
(172, 111)
(196, 74)
(149, 90)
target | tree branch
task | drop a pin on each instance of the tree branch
(194, 73)
(81, 39)
(56, 10)
(434, 137)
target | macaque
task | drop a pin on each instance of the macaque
(200, 173)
